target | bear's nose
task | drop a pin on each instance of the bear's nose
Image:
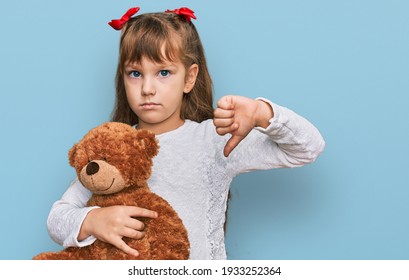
(92, 168)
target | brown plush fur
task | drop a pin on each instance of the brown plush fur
(114, 161)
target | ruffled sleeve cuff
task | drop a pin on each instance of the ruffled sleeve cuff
(72, 240)
(275, 120)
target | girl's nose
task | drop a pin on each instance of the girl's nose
(148, 87)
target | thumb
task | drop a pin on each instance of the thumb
(231, 144)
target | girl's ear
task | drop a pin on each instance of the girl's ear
(190, 78)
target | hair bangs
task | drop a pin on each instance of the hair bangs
(151, 41)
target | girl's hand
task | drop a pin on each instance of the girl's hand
(111, 224)
(238, 115)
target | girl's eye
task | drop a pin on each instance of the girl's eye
(164, 73)
(134, 74)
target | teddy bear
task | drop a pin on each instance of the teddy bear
(114, 161)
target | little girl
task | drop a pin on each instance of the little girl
(163, 84)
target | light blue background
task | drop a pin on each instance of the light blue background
(344, 65)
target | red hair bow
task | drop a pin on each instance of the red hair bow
(117, 24)
(187, 13)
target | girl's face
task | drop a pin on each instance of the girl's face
(155, 92)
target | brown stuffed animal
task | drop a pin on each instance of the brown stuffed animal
(114, 161)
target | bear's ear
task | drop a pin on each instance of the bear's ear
(71, 154)
(148, 141)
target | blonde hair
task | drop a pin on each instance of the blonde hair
(163, 37)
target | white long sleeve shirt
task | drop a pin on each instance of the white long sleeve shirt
(191, 172)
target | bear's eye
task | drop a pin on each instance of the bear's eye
(105, 159)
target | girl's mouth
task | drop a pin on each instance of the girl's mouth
(149, 105)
